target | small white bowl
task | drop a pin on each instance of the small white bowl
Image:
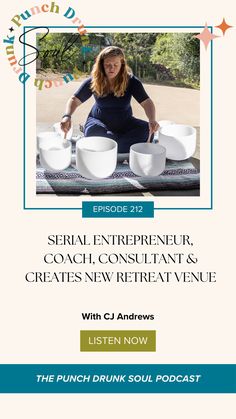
(58, 131)
(48, 139)
(179, 141)
(147, 159)
(96, 157)
(165, 122)
(55, 158)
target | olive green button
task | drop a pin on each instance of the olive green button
(117, 340)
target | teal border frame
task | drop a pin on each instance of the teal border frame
(211, 116)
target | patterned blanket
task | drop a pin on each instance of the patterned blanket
(180, 175)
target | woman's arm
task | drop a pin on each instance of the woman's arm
(71, 106)
(150, 111)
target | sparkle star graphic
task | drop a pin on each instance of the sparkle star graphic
(224, 26)
(11, 29)
(206, 36)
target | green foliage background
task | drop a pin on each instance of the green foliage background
(166, 58)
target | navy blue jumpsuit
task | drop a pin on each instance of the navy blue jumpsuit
(112, 116)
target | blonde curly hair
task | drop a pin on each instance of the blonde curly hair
(100, 85)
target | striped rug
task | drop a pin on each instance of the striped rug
(177, 176)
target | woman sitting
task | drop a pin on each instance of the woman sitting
(113, 86)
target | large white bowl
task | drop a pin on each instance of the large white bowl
(55, 158)
(179, 141)
(48, 139)
(96, 157)
(162, 123)
(147, 159)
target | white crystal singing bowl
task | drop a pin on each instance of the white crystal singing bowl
(179, 141)
(165, 122)
(147, 159)
(162, 123)
(96, 157)
(55, 158)
(48, 139)
(58, 131)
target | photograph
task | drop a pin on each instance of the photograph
(118, 114)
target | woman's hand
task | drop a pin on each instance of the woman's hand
(150, 111)
(153, 126)
(71, 106)
(66, 124)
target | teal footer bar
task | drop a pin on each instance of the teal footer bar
(118, 378)
(118, 209)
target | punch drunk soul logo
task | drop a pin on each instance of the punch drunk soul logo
(19, 20)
